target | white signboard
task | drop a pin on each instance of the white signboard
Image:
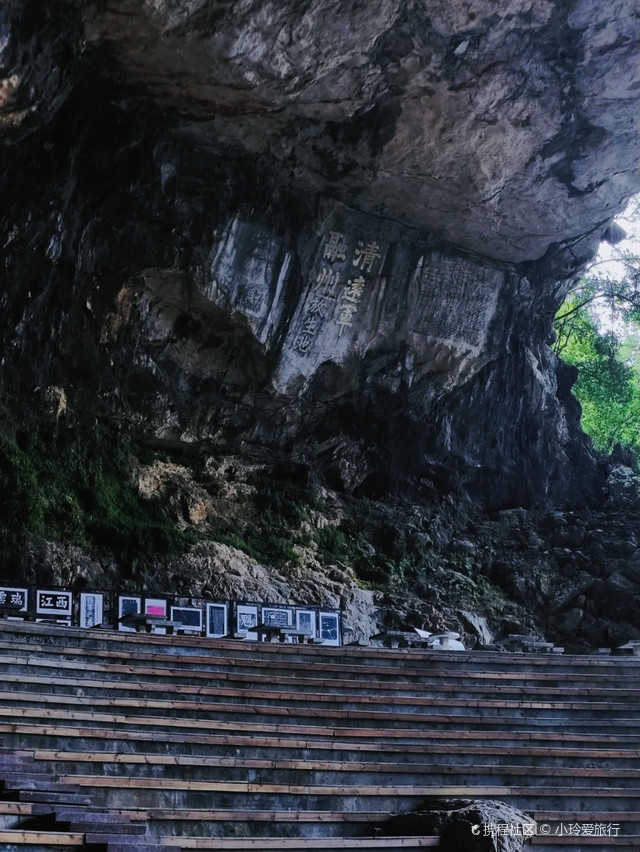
(91, 609)
(128, 605)
(330, 628)
(189, 618)
(246, 618)
(49, 602)
(217, 620)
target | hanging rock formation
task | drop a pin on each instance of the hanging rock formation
(332, 234)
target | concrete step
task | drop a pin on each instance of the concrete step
(329, 773)
(472, 712)
(176, 793)
(298, 844)
(258, 756)
(285, 677)
(184, 725)
(102, 734)
(53, 797)
(391, 660)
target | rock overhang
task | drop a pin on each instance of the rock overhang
(504, 130)
(507, 130)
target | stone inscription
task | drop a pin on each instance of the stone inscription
(332, 299)
(457, 301)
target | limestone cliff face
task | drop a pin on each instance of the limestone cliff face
(331, 233)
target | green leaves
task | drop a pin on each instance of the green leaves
(80, 491)
(608, 385)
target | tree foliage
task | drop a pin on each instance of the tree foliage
(598, 331)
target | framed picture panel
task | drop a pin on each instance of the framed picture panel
(155, 606)
(190, 618)
(277, 616)
(50, 602)
(217, 620)
(128, 605)
(91, 609)
(10, 596)
(246, 618)
(306, 622)
(330, 627)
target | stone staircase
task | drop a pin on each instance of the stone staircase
(138, 742)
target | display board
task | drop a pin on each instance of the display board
(128, 605)
(217, 620)
(306, 622)
(246, 618)
(277, 616)
(329, 627)
(155, 606)
(10, 596)
(91, 609)
(52, 602)
(189, 618)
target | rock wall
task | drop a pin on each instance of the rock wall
(336, 240)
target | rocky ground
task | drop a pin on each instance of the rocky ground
(441, 563)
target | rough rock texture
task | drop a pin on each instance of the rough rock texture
(467, 826)
(478, 121)
(334, 240)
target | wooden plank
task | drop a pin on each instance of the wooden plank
(253, 742)
(359, 790)
(414, 697)
(276, 843)
(16, 808)
(632, 840)
(424, 732)
(581, 816)
(216, 815)
(48, 838)
(284, 765)
(328, 738)
(245, 708)
(144, 640)
(455, 665)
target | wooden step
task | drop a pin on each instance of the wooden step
(380, 662)
(406, 671)
(582, 711)
(19, 837)
(334, 738)
(424, 729)
(363, 791)
(578, 843)
(145, 765)
(301, 843)
(292, 816)
(447, 681)
(282, 763)
(319, 690)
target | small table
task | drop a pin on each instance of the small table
(401, 639)
(633, 646)
(149, 623)
(275, 633)
(272, 632)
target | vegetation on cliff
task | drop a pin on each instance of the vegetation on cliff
(598, 332)
(78, 490)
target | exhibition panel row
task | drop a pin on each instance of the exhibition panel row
(193, 616)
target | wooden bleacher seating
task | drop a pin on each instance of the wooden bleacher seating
(132, 741)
